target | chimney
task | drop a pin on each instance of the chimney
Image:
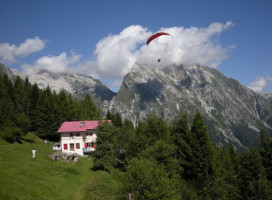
(82, 123)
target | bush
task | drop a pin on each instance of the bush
(11, 134)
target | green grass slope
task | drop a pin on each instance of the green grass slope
(23, 178)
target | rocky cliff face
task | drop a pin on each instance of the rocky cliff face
(232, 111)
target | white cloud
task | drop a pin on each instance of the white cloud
(260, 84)
(58, 64)
(115, 54)
(9, 52)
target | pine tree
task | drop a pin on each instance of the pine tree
(88, 110)
(117, 119)
(34, 107)
(63, 107)
(266, 153)
(225, 183)
(104, 155)
(124, 135)
(200, 170)
(109, 116)
(145, 179)
(46, 122)
(164, 152)
(253, 183)
(19, 94)
(181, 137)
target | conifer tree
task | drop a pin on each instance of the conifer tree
(181, 137)
(104, 155)
(34, 107)
(145, 179)
(109, 116)
(26, 100)
(19, 94)
(46, 123)
(253, 183)
(225, 183)
(201, 166)
(63, 107)
(116, 119)
(122, 146)
(266, 153)
(88, 109)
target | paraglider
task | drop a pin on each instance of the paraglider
(154, 36)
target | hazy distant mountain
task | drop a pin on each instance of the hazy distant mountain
(232, 111)
(76, 84)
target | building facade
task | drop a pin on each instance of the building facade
(79, 136)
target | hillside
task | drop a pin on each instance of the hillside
(23, 178)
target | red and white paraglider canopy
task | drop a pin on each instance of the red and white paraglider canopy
(152, 37)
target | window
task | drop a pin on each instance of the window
(72, 146)
(90, 144)
(77, 145)
(65, 146)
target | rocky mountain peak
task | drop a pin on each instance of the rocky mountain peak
(232, 111)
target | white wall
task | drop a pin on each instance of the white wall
(78, 138)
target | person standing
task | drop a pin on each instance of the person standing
(33, 153)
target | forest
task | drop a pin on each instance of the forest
(155, 159)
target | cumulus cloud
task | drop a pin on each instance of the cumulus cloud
(260, 84)
(56, 64)
(116, 54)
(9, 52)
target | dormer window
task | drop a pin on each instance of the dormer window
(82, 123)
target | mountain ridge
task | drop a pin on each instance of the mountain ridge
(76, 84)
(232, 112)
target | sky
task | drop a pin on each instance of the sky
(105, 38)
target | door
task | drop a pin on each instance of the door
(72, 146)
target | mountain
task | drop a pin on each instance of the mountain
(76, 84)
(5, 70)
(268, 96)
(232, 111)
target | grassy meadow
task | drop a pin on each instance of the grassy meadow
(25, 179)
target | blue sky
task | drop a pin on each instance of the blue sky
(104, 38)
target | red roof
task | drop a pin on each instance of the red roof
(79, 126)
